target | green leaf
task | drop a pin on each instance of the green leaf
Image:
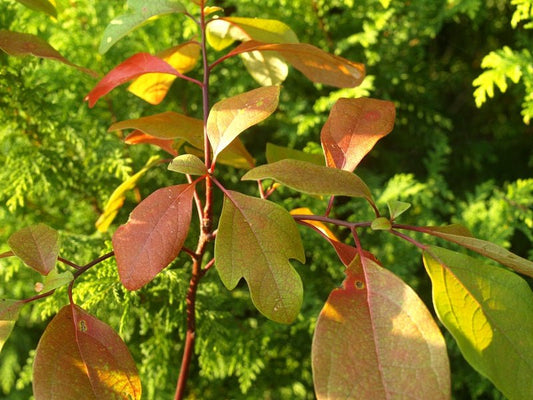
(381, 224)
(37, 246)
(40, 5)
(55, 280)
(375, 339)
(312, 179)
(460, 235)
(9, 311)
(140, 11)
(80, 357)
(188, 164)
(231, 116)
(397, 208)
(276, 153)
(255, 240)
(489, 312)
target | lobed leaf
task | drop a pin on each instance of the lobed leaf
(37, 246)
(40, 5)
(255, 240)
(139, 12)
(188, 164)
(154, 235)
(154, 87)
(231, 116)
(375, 339)
(315, 64)
(353, 128)
(489, 312)
(276, 153)
(312, 179)
(9, 311)
(80, 357)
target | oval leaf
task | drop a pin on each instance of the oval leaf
(312, 179)
(37, 246)
(315, 64)
(489, 312)
(40, 5)
(188, 164)
(154, 235)
(140, 11)
(229, 117)
(80, 357)
(375, 339)
(55, 280)
(255, 240)
(9, 312)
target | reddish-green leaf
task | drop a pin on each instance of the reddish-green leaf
(315, 64)
(154, 235)
(353, 128)
(80, 357)
(133, 67)
(138, 137)
(40, 5)
(9, 311)
(139, 12)
(276, 153)
(24, 44)
(188, 164)
(229, 117)
(375, 339)
(489, 312)
(312, 179)
(255, 240)
(37, 246)
(460, 235)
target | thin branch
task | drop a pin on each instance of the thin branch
(69, 263)
(410, 240)
(329, 220)
(330, 205)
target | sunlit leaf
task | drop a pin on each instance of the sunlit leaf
(231, 116)
(24, 44)
(317, 224)
(266, 68)
(353, 128)
(154, 235)
(489, 312)
(276, 153)
(41, 5)
(255, 240)
(397, 208)
(312, 179)
(315, 64)
(37, 246)
(212, 9)
(139, 12)
(460, 235)
(138, 137)
(381, 224)
(80, 357)
(55, 280)
(133, 67)
(116, 200)
(7, 254)
(375, 339)
(154, 87)
(188, 164)
(9, 311)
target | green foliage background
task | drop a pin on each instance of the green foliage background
(453, 161)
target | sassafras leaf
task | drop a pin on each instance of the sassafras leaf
(37, 246)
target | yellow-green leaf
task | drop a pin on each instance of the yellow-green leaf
(397, 208)
(381, 224)
(9, 311)
(188, 164)
(41, 5)
(55, 280)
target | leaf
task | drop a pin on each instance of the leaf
(231, 116)
(353, 128)
(255, 240)
(40, 5)
(188, 164)
(381, 224)
(276, 153)
(9, 312)
(154, 87)
(80, 357)
(154, 235)
(460, 235)
(24, 44)
(315, 64)
(116, 200)
(489, 312)
(37, 246)
(140, 11)
(55, 280)
(397, 208)
(133, 67)
(138, 137)
(311, 179)
(375, 339)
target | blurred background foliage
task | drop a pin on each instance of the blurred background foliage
(454, 162)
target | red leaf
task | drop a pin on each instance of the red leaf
(137, 137)
(375, 339)
(154, 235)
(80, 357)
(133, 67)
(353, 128)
